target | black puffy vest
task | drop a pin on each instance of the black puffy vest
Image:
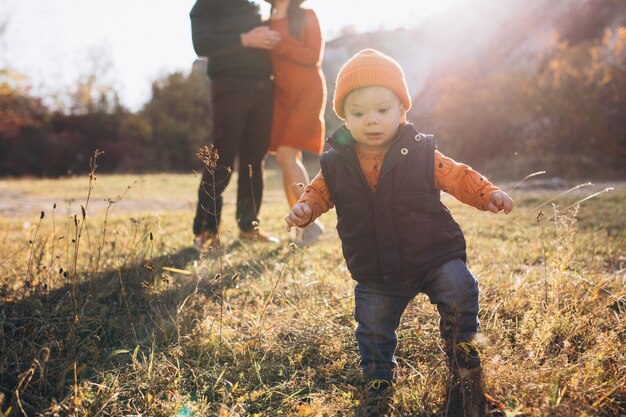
(402, 230)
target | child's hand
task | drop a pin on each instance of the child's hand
(500, 201)
(299, 215)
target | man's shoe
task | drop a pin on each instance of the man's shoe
(377, 399)
(257, 236)
(205, 241)
(310, 234)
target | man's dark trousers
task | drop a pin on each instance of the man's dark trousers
(242, 120)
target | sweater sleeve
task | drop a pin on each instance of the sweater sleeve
(206, 40)
(306, 51)
(461, 181)
(317, 197)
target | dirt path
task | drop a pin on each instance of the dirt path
(15, 204)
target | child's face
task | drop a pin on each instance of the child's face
(373, 115)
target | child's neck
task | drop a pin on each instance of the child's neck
(372, 151)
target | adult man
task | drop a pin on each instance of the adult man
(232, 35)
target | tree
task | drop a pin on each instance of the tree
(17, 106)
(21, 114)
(91, 92)
(179, 114)
(581, 102)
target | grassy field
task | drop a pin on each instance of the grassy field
(106, 310)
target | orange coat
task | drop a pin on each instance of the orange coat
(300, 95)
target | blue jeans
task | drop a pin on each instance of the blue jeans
(378, 309)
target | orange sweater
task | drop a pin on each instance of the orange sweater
(455, 178)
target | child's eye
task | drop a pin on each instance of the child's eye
(383, 110)
(357, 114)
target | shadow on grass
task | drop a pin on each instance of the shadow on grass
(50, 344)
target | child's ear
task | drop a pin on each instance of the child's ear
(402, 115)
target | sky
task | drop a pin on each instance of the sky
(130, 43)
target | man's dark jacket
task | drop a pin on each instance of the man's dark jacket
(402, 229)
(216, 27)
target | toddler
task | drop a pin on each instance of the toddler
(398, 239)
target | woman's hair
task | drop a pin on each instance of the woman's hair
(295, 17)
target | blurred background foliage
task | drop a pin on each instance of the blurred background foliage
(542, 89)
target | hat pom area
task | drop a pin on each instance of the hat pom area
(369, 68)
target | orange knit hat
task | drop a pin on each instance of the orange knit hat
(370, 68)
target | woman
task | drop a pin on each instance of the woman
(299, 98)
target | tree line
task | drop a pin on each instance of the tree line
(565, 114)
(163, 136)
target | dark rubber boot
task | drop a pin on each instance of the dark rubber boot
(465, 395)
(377, 399)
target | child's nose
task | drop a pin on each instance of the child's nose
(372, 117)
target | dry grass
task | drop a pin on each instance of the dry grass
(114, 314)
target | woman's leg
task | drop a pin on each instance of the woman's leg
(295, 176)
